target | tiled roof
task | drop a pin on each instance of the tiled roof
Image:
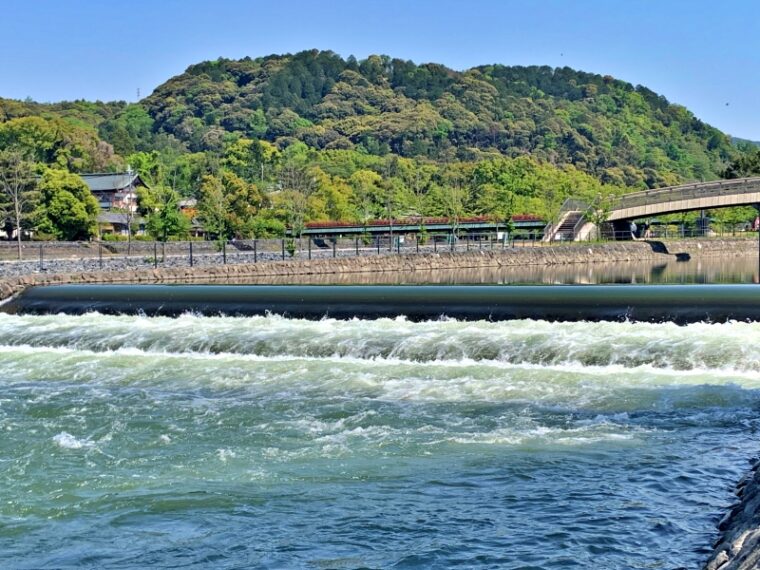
(102, 182)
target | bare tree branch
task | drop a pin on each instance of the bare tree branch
(18, 192)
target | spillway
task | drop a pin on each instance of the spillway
(653, 303)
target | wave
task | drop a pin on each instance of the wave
(733, 346)
(263, 380)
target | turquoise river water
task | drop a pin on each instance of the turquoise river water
(263, 442)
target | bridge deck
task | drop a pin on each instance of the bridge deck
(697, 196)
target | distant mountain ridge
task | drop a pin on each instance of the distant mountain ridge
(739, 142)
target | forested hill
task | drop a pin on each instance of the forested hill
(265, 144)
(619, 133)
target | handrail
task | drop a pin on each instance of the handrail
(568, 206)
(573, 205)
(579, 224)
(686, 192)
(548, 230)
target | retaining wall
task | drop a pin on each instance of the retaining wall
(561, 254)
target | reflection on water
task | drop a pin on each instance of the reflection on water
(737, 269)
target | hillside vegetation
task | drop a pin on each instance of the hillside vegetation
(284, 139)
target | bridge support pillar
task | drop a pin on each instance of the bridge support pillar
(622, 230)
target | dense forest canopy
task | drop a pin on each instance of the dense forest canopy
(617, 132)
(284, 139)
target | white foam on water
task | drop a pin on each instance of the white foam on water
(607, 388)
(225, 455)
(734, 346)
(67, 441)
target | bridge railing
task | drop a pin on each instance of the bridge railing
(573, 205)
(688, 192)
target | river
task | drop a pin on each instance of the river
(264, 442)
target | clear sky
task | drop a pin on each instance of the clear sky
(704, 54)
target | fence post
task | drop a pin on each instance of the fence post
(335, 245)
(435, 245)
(417, 243)
(155, 255)
(309, 248)
(398, 245)
(100, 254)
(191, 254)
(42, 268)
(356, 245)
(377, 241)
(255, 251)
(224, 252)
(283, 248)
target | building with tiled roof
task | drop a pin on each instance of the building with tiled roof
(116, 193)
(115, 190)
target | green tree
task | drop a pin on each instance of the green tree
(214, 209)
(165, 220)
(368, 198)
(745, 165)
(495, 201)
(67, 210)
(228, 205)
(290, 206)
(130, 131)
(599, 210)
(58, 143)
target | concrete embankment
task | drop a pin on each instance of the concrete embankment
(739, 545)
(518, 257)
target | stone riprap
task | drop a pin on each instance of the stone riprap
(73, 257)
(739, 545)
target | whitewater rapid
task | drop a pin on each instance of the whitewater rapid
(282, 442)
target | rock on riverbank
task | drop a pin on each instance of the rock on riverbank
(739, 545)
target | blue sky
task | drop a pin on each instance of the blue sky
(702, 54)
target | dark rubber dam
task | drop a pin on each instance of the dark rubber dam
(652, 303)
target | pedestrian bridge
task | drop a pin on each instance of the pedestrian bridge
(573, 225)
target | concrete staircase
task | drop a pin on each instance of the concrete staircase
(564, 230)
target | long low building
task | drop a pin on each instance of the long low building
(481, 225)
